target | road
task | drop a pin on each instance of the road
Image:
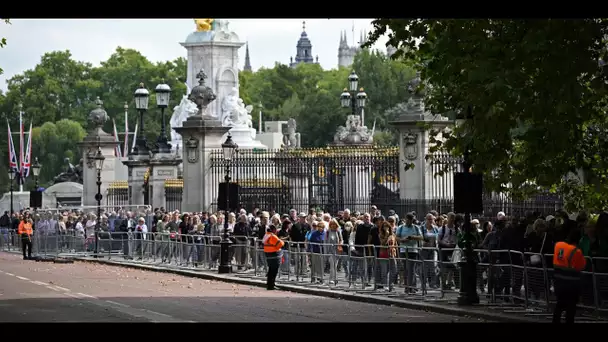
(85, 292)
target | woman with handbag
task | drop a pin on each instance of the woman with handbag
(333, 247)
(387, 256)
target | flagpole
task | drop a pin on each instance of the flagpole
(126, 150)
(21, 148)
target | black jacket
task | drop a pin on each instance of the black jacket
(5, 221)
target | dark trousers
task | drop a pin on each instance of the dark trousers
(273, 261)
(26, 244)
(567, 294)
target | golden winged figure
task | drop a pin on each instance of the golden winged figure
(203, 24)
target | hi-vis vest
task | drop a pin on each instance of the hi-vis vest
(568, 262)
(25, 228)
(272, 243)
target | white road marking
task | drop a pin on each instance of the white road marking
(117, 303)
(62, 288)
(86, 295)
(38, 283)
(9, 274)
(72, 295)
(52, 288)
(22, 278)
(157, 313)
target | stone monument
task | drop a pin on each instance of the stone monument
(291, 138)
(353, 133)
(414, 173)
(181, 113)
(237, 116)
(97, 138)
(214, 48)
(201, 134)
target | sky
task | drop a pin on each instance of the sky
(94, 40)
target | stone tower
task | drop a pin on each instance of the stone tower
(304, 50)
(247, 66)
(346, 54)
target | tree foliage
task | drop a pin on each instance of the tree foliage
(311, 95)
(59, 92)
(3, 40)
(536, 92)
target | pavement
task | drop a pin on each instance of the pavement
(99, 292)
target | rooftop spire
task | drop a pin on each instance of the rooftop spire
(247, 66)
(304, 26)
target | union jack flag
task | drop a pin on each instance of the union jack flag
(27, 162)
(12, 156)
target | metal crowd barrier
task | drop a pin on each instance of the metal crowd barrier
(512, 280)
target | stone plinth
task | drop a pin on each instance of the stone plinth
(137, 168)
(163, 166)
(88, 148)
(217, 53)
(414, 182)
(205, 136)
(242, 136)
(97, 139)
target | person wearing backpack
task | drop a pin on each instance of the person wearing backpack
(408, 236)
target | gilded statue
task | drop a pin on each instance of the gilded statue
(203, 25)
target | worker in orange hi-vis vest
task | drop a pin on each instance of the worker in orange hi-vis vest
(25, 231)
(272, 249)
(568, 262)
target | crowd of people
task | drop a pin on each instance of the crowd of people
(350, 242)
(368, 247)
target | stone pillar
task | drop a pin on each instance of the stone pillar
(414, 172)
(163, 167)
(97, 138)
(217, 52)
(138, 167)
(201, 137)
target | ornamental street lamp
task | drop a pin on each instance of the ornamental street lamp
(11, 176)
(468, 241)
(36, 170)
(141, 104)
(163, 94)
(99, 159)
(229, 149)
(350, 97)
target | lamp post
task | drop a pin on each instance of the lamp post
(99, 159)
(141, 104)
(228, 148)
(350, 97)
(468, 264)
(11, 176)
(36, 170)
(163, 94)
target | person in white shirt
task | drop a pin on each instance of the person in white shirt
(141, 230)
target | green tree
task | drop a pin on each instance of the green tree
(54, 142)
(311, 95)
(3, 41)
(534, 89)
(57, 88)
(121, 75)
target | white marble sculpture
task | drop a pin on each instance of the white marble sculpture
(234, 112)
(181, 113)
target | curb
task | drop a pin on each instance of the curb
(429, 307)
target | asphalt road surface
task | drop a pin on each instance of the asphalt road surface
(85, 292)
